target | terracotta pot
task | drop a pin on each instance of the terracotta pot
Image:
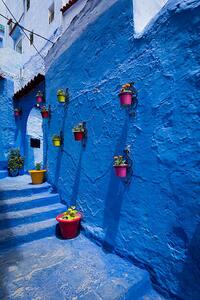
(125, 98)
(69, 228)
(121, 171)
(78, 135)
(45, 114)
(37, 176)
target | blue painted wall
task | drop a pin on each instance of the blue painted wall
(155, 219)
(26, 103)
(7, 120)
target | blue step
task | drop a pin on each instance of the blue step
(11, 187)
(36, 214)
(3, 173)
(28, 202)
(15, 236)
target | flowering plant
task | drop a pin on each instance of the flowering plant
(70, 214)
(15, 160)
(39, 94)
(128, 88)
(44, 109)
(119, 160)
(61, 93)
(78, 128)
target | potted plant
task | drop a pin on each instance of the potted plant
(15, 162)
(126, 94)
(57, 141)
(17, 112)
(79, 132)
(37, 175)
(61, 96)
(120, 166)
(69, 223)
(44, 112)
(39, 97)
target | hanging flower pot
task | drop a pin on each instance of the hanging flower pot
(79, 132)
(39, 97)
(57, 141)
(120, 166)
(69, 223)
(44, 112)
(61, 96)
(17, 112)
(126, 94)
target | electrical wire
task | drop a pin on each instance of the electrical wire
(22, 29)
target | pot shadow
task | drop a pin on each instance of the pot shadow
(114, 198)
(189, 278)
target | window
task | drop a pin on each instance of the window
(18, 46)
(31, 38)
(28, 3)
(34, 143)
(51, 13)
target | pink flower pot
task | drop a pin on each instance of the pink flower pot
(39, 99)
(121, 171)
(125, 98)
(78, 135)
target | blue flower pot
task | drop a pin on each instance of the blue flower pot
(13, 173)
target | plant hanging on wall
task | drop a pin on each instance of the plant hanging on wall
(57, 140)
(120, 165)
(61, 96)
(69, 223)
(127, 93)
(17, 112)
(39, 97)
(44, 112)
(79, 132)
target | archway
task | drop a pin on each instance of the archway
(34, 137)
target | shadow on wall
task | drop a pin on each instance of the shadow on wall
(75, 188)
(191, 270)
(114, 197)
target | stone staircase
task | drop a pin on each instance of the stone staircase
(27, 212)
(35, 264)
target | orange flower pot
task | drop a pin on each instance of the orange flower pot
(37, 176)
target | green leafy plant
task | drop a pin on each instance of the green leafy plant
(78, 128)
(128, 88)
(38, 166)
(56, 137)
(44, 109)
(15, 160)
(39, 94)
(61, 93)
(70, 214)
(119, 161)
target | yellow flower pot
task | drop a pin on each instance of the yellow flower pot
(56, 142)
(37, 176)
(61, 98)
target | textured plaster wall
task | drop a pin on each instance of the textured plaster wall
(22, 137)
(7, 121)
(155, 220)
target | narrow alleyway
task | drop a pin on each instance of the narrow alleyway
(35, 264)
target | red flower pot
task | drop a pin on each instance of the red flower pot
(69, 228)
(121, 171)
(17, 113)
(125, 98)
(39, 99)
(45, 114)
(78, 135)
